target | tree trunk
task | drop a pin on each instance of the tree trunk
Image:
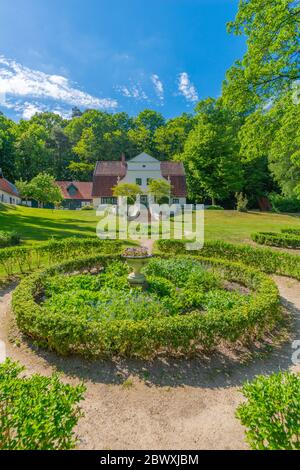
(213, 201)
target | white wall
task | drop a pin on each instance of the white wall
(143, 166)
(8, 198)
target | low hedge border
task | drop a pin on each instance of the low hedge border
(282, 240)
(29, 258)
(264, 259)
(292, 231)
(172, 334)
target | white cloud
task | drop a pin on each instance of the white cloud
(30, 109)
(19, 82)
(133, 91)
(186, 88)
(158, 86)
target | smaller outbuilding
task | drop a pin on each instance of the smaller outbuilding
(8, 192)
(76, 194)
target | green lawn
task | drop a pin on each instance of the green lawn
(42, 224)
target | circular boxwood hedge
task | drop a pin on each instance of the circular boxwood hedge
(282, 240)
(185, 307)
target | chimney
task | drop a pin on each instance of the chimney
(123, 158)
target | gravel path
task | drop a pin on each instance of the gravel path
(165, 404)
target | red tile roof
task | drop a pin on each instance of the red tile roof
(172, 168)
(8, 187)
(106, 176)
(112, 168)
(174, 172)
(84, 190)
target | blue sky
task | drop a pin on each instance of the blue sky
(115, 55)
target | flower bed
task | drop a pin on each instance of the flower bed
(282, 240)
(265, 259)
(185, 306)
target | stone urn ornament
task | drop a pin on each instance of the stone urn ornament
(136, 259)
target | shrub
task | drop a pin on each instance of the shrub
(284, 203)
(16, 260)
(241, 202)
(87, 208)
(36, 413)
(283, 240)
(9, 239)
(271, 413)
(265, 259)
(214, 208)
(292, 231)
(178, 323)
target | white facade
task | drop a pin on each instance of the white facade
(141, 169)
(7, 198)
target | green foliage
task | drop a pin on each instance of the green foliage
(285, 240)
(159, 189)
(271, 62)
(211, 153)
(9, 239)
(271, 413)
(42, 188)
(284, 203)
(292, 231)
(37, 412)
(23, 259)
(129, 190)
(87, 208)
(140, 324)
(265, 259)
(214, 208)
(273, 135)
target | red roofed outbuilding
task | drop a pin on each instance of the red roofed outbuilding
(76, 194)
(8, 192)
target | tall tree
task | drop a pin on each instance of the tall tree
(7, 150)
(271, 63)
(274, 135)
(211, 153)
(169, 140)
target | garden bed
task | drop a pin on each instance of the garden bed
(264, 259)
(185, 307)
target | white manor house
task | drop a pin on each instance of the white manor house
(139, 170)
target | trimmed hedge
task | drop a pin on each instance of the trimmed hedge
(292, 231)
(282, 240)
(265, 259)
(23, 259)
(9, 239)
(143, 338)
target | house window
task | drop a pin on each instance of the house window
(175, 201)
(138, 181)
(109, 200)
(72, 190)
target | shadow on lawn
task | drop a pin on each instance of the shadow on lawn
(218, 371)
(41, 228)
